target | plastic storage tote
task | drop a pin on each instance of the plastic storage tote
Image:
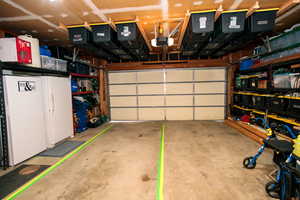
(61, 65)
(48, 62)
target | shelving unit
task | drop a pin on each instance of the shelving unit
(270, 92)
(82, 75)
(83, 93)
(41, 71)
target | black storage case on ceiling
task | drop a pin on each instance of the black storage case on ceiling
(261, 21)
(79, 35)
(198, 31)
(131, 38)
(105, 36)
(229, 25)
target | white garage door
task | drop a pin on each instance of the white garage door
(168, 94)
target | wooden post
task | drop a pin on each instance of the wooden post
(103, 92)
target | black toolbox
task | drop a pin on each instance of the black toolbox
(294, 108)
(246, 101)
(278, 105)
(259, 102)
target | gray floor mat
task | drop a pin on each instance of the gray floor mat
(62, 149)
(18, 177)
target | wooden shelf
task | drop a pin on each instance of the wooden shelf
(294, 57)
(22, 68)
(83, 93)
(286, 120)
(83, 75)
(251, 131)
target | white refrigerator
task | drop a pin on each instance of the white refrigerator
(39, 114)
(58, 109)
(25, 117)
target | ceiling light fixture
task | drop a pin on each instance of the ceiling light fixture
(197, 3)
(178, 5)
(158, 42)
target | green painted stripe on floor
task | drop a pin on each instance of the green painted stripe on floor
(160, 166)
(57, 164)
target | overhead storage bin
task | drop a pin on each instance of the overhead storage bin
(79, 35)
(228, 25)
(131, 38)
(82, 37)
(106, 37)
(259, 22)
(200, 27)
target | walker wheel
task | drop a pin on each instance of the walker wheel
(249, 163)
(273, 189)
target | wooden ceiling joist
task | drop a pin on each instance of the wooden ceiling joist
(218, 12)
(183, 28)
(253, 9)
(138, 23)
(288, 5)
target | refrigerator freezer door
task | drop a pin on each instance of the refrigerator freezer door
(25, 117)
(58, 105)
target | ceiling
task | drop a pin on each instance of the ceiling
(42, 18)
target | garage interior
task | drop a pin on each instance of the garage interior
(157, 99)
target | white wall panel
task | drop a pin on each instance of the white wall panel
(179, 88)
(148, 89)
(150, 76)
(179, 113)
(209, 113)
(151, 114)
(129, 77)
(210, 75)
(123, 101)
(123, 114)
(213, 87)
(122, 90)
(151, 100)
(179, 75)
(209, 100)
(183, 100)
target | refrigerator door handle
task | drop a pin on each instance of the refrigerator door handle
(53, 104)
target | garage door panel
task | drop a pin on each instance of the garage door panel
(124, 114)
(179, 88)
(151, 100)
(122, 90)
(179, 113)
(183, 100)
(123, 101)
(150, 76)
(210, 75)
(209, 100)
(151, 114)
(179, 75)
(209, 113)
(212, 87)
(148, 89)
(129, 77)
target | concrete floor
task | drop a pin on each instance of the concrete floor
(203, 160)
